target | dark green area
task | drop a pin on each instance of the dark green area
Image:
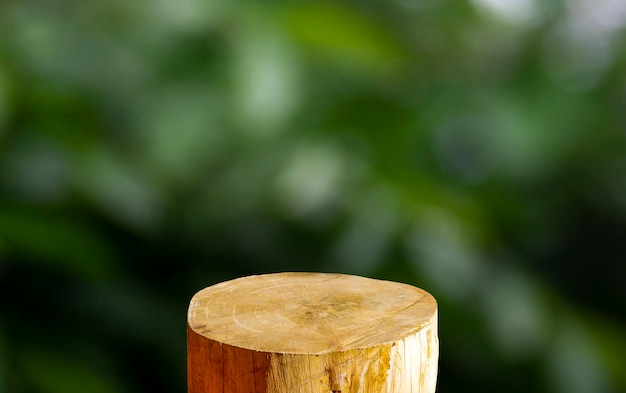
(151, 149)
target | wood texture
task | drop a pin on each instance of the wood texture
(312, 333)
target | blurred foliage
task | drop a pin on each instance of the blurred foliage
(473, 148)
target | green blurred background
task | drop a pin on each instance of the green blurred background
(476, 149)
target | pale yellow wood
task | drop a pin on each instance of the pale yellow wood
(324, 333)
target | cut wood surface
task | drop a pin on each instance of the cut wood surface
(312, 333)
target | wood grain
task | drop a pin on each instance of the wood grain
(312, 333)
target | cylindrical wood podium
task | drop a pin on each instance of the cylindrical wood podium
(312, 333)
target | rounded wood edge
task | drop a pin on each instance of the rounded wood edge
(424, 310)
(406, 366)
(214, 367)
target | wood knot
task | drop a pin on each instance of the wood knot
(335, 379)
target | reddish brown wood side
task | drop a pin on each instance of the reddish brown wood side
(213, 367)
(261, 362)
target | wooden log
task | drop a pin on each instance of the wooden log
(312, 333)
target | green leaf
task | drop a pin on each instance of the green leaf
(58, 242)
(58, 373)
(341, 35)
